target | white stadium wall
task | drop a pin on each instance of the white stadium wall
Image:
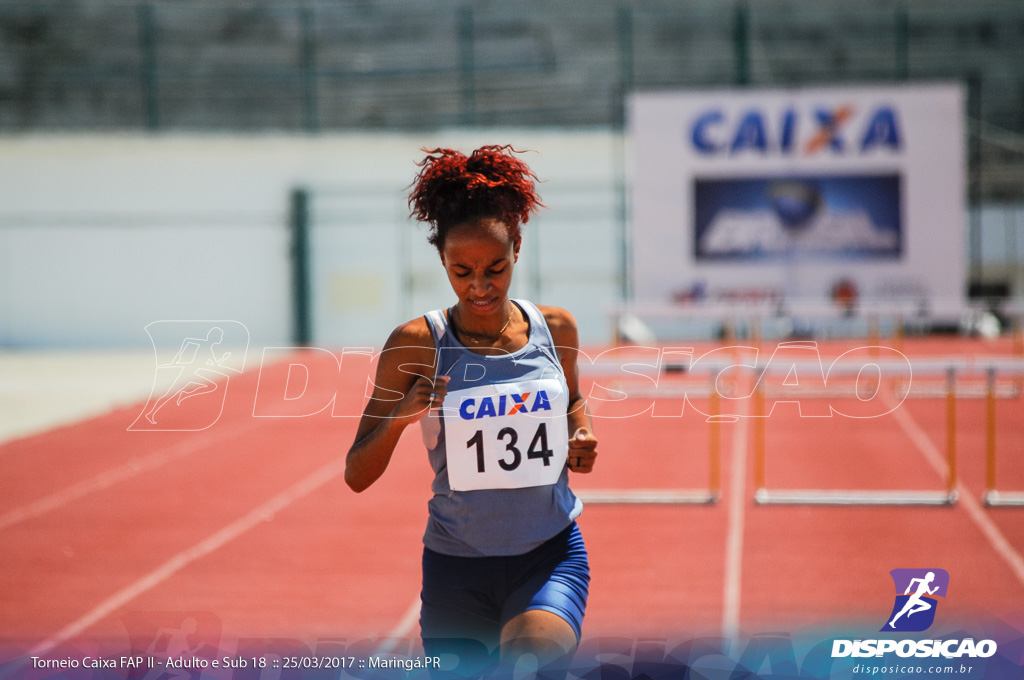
(102, 235)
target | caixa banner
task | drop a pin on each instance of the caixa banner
(792, 192)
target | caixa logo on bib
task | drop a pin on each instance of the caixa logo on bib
(503, 405)
(916, 603)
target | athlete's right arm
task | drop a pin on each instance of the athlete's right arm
(401, 396)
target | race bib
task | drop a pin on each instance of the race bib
(506, 436)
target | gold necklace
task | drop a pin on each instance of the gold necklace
(472, 336)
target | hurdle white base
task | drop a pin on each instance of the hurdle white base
(816, 497)
(1004, 498)
(646, 497)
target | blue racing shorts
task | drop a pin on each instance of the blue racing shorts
(472, 598)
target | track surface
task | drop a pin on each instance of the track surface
(247, 526)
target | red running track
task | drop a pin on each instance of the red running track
(248, 528)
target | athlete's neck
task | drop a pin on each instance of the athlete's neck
(487, 332)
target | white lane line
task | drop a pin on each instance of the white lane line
(974, 510)
(186, 557)
(403, 629)
(127, 470)
(734, 536)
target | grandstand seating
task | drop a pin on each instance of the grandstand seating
(100, 65)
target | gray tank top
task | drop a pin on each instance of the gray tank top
(498, 446)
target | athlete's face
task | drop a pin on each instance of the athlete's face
(479, 257)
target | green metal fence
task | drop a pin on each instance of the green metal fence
(102, 65)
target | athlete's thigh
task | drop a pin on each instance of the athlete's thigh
(459, 601)
(555, 579)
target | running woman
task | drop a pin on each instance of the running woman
(502, 418)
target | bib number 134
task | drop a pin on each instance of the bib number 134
(512, 456)
(506, 436)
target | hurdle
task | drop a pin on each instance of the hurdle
(991, 391)
(881, 318)
(707, 496)
(953, 386)
(730, 321)
(950, 391)
(765, 496)
(992, 496)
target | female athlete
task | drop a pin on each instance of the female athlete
(501, 415)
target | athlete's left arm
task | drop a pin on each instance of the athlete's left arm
(582, 442)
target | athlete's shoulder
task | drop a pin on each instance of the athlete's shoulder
(412, 335)
(562, 325)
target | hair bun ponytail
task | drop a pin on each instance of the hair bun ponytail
(452, 188)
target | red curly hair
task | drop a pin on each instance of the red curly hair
(453, 188)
